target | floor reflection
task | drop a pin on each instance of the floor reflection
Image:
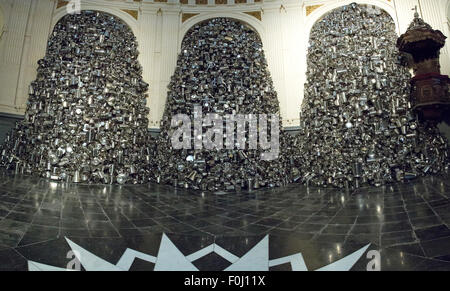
(408, 223)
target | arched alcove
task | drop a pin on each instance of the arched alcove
(90, 72)
(357, 92)
(322, 11)
(241, 17)
(325, 9)
(125, 17)
(254, 27)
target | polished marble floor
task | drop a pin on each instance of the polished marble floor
(41, 221)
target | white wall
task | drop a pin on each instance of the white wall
(448, 13)
(284, 29)
(2, 21)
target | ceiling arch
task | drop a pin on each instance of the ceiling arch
(125, 17)
(247, 19)
(320, 12)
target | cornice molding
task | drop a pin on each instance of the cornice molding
(168, 7)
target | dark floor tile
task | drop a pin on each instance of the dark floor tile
(37, 233)
(395, 238)
(313, 228)
(3, 213)
(12, 261)
(396, 226)
(389, 210)
(424, 222)
(122, 222)
(281, 215)
(166, 220)
(394, 217)
(101, 225)
(238, 246)
(393, 203)
(363, 239)
(366, 229)
(147, 243)
(92, 208)
(443, 211)
(179, 227)
(199, 223)
(211, 262)
(48, 212)
(330, 238)
(343, 220)
(96, 216)
(288, 225)
(305, 212)
(26, 218)
(54, 205)
(415, 203)
(150, 214)
(219, 220)
(104, 233)
(281, 268)
(26, 209)
(319, 219)
(303, 236)
(327, 212)
(433, 265)
(270, 222)
(422, 212)
(288, 233)
(13, 225)
(141, 265)
(446, 221)
(393, 260)
(6, 207)
(413, 249)
(190, 244)
(155, 229)
(337, 229)
(72, 223)
(144, 222)
(10, 237)
(46, 220)
(197, 233)
(443, 258)
(299, 218)
(76, 214)
(294, 215)
(10, 200)
(369, 220)
(129, 232)
(433, 232)
(256, 229)
(74, 233)
(439, 203)
(240, 214)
